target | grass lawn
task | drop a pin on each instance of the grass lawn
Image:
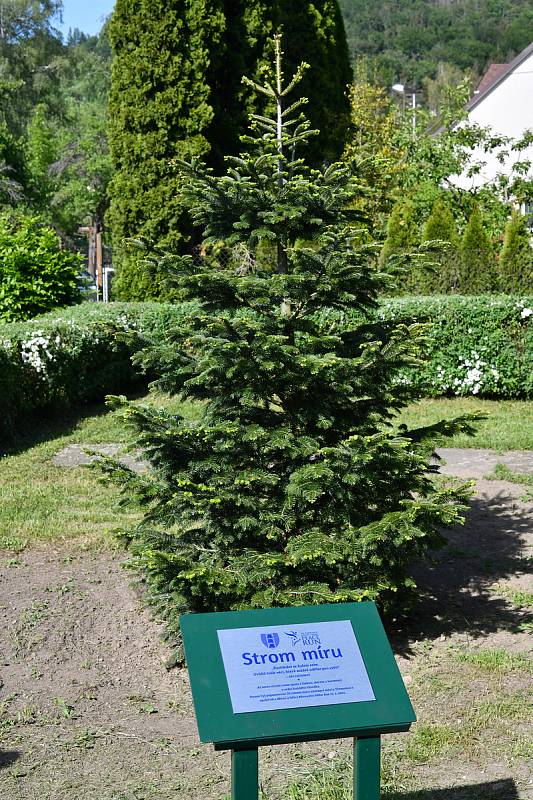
(41, 502)
(465, 657)
(509, 423)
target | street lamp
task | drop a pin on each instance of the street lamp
(403, 90)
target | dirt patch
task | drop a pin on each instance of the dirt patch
(88, 710)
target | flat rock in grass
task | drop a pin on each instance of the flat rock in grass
(472, 463)
(78, 455)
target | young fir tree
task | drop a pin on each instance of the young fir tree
(314, 32)
(516, 259)
(176, 92)
(440, 226)
(293, 487)
(478, 266)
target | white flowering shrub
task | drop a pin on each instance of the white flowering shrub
(477, 345)
(480, 346)
(74, 356)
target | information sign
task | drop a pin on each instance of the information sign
(296, 666)
(293, 674)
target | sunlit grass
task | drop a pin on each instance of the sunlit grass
(509, 425)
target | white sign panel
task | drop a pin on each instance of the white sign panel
(296, 666)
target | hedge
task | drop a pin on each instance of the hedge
(68, 358)
(476, 346)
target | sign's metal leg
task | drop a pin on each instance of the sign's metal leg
(366, 768)
(244, 775)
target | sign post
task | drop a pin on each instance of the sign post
(299, 674)
(245, 774)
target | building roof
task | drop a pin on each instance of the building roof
(495, 75)
(492, 74)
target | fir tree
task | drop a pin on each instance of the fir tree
(440, 226)
(478, 267)
(314, 32)
(176, 93)
(294, 487)
(516, 259)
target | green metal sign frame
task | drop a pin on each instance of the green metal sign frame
(243, 733)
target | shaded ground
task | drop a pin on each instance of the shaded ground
(88, 710)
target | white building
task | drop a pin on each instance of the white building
(503, 101)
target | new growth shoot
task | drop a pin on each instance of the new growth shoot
(289, 130)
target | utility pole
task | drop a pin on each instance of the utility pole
(95, 262)
(403, 91)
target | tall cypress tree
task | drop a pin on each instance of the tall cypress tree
(314, 32)
(478, 265)
(441, 226)
(177, 92)
(160, 110)
(293, 487)
(516, 259)
(401, 240)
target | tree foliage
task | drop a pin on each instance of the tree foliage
(372, 145)
(402, 231)
(36, 273)
(441, 226)
(177, 93)
(293, 487)
(516, 259)
(409, 40)
(478, 266)
(82, 169)
(53, 117)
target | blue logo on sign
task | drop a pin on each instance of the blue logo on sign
(270, 640)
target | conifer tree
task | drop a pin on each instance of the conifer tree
(294, 487)
(401, 230)
(401, 240)
(478, 267)
(440, 226)
(516, 259)
(176, 93)
(159, 110)
(314, 33)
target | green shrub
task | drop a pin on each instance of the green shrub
(73, 357)
(516, 259)
(36, 274)
(441, 226)
(478, 264)
(69, 358)
(475, 345)
(402, 231)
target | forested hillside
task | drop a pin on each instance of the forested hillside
(408, 39)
